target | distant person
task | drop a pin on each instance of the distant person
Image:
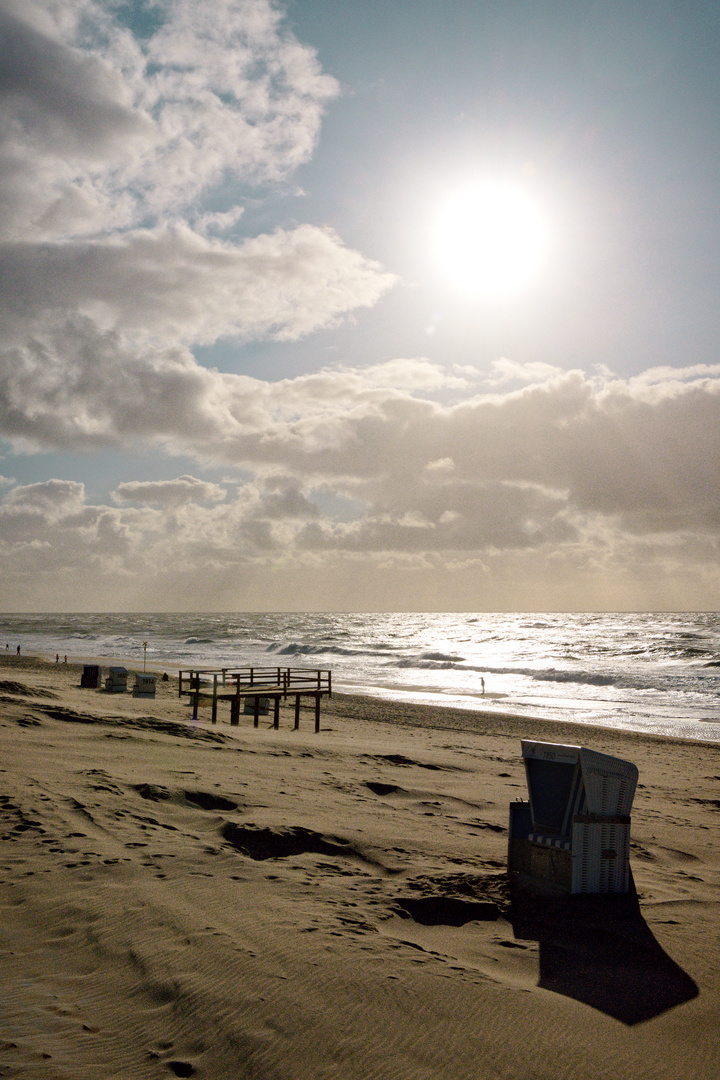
(482, 684)
(57, 657)
(65, 661)
(18, 650)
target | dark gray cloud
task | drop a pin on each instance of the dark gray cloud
(60, 100)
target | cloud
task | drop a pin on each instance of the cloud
(173, 285)
(251, 551)
(504, 371)
(604, 482)
(169, 492)
(284, 500)
(103, 132)
(51, 500)
(107, 142)
(70, 102)
(641, 451)
(110, 141)
(102, 124)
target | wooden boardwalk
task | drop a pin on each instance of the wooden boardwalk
(243, 684)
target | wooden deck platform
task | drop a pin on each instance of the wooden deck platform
(239, 685)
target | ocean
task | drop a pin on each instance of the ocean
(656, 673)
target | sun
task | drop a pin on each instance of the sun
(490, 238)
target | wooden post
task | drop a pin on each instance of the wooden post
(317, 713)
(214, 703)
(276, 716)
(196, 695)
(256, 713)
(297, 711)
(234, 711)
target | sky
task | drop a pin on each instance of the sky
(359, 305)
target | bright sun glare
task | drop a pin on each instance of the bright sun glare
(490, 239)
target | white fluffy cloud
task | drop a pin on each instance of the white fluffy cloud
(642, 452)
(173, 285)
(110, 140)
(169, 492)
(101, 126)
(50, 501)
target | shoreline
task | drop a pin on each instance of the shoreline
(400, 713)
(590, 669)
(467, 705)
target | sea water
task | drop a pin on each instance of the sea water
(656, 673)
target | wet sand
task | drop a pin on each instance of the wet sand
(186, 899)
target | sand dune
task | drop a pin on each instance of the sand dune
(182, 899)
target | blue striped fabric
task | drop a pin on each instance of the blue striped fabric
(550, 841)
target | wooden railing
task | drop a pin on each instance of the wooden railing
(305, 681)
(245, 676)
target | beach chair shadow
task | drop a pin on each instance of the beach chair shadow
(599, 950)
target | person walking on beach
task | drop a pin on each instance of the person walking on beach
(18, 650)
(482, 684)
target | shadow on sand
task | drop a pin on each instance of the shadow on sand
(599, 950)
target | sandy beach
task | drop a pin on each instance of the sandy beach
(183, 899)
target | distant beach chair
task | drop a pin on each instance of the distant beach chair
(90, 677)
(144, 685)
(116, 681)
(573, 836)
